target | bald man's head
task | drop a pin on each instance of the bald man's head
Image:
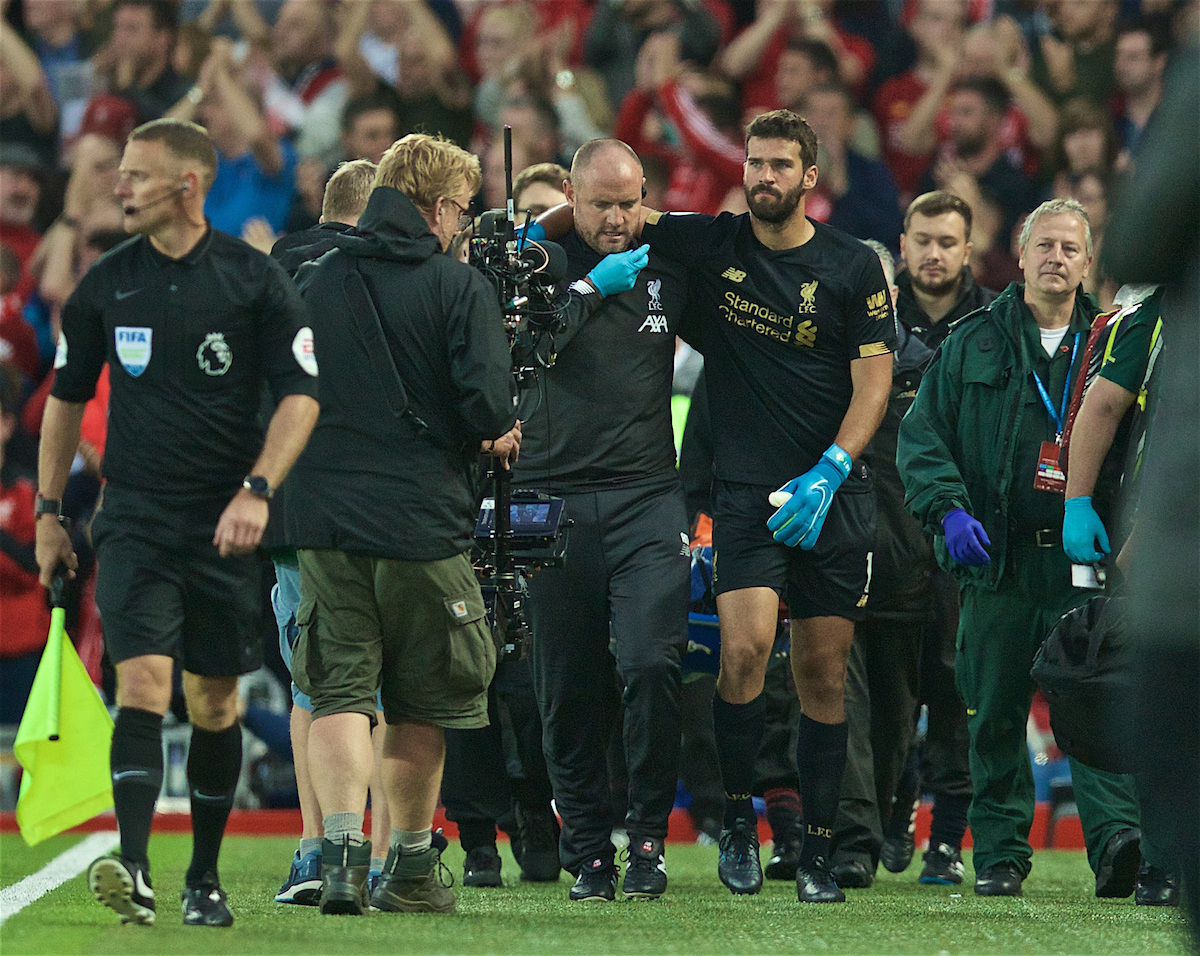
(605, 191)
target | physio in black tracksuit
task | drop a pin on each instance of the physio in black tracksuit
(613, 620)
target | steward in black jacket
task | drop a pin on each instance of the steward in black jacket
(386, 476)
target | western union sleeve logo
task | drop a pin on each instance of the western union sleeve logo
(873, 348)
(877, 305)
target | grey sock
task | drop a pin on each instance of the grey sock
(412, 841)
(338, 825)
(309, 844)
(377, 862)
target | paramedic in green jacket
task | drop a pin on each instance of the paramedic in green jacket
(978, 453)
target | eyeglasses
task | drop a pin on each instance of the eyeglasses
(465, 220)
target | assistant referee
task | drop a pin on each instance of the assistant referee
(192, 322)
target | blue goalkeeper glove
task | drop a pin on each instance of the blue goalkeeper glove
(801, 515)
(1083, 535)
(618, 271)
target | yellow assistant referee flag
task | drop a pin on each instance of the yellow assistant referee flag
(63, 743)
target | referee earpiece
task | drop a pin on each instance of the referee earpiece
(185, 187)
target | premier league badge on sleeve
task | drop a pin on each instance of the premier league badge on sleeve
(133, 348)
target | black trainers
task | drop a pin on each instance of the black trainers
(943, 866)
(537, 844)
(205, 904)
(898, 848)
(1116, 873)
(345, 870)
(415, 883)
(738, 865)
(815, 883)
(482, 867)
(853, 874)
(785, 854)
(1156, 887)
(124, 887)
(1000, 879)
(596, 881)
(646, 873)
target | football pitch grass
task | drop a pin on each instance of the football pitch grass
(697, 915)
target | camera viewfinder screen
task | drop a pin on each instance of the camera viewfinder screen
(527, 514)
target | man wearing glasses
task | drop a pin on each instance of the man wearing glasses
(416, 382)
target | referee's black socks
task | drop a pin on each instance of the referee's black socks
(738, 729)
(214, 763)
(820, 761)
(137, 773)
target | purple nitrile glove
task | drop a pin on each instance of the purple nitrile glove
(1083, 534)
(965, 539)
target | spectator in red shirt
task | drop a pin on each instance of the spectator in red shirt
(753, 56)
(20, 193)
(18, 343)
(688, 119)
(937, 30)
(25, 620)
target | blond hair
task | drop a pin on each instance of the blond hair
(428, 168)
(348, 190)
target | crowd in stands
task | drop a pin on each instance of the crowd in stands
(1002, 102)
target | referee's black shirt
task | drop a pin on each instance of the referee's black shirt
(189, 343)
(601, 415)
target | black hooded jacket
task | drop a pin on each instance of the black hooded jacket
(375, 478)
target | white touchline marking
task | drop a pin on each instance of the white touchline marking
(54, 874)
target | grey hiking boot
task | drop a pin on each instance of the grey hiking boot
(414, 883)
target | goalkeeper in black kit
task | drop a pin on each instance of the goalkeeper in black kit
(795, 323)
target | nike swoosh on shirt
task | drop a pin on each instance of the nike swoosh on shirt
(125, 295)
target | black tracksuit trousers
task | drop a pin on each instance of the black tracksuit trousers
(613, 621)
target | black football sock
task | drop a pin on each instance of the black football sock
(738, 729)
(137, 772)
(820, 760)
(214, 763)
(949, 819)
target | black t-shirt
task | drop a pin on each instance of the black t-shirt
(601, 415)
(189, 344)
(778, 330)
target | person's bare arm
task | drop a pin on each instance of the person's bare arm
(744, 53)
(1104, 405)
(918, 135)
(243, 112)
(26, 72)
(1012, 59)
(872, 381)
(241, 525)
(59, 441)
(357, 71)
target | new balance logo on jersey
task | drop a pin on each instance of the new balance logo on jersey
(733, 275)
(654, 323)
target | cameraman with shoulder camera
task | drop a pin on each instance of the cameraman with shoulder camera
(416, 381)
(601, 437)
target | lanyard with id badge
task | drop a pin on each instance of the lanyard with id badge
(1050, 475)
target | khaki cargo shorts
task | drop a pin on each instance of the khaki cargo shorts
(417, 630)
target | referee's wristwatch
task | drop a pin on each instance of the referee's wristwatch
(258, 486)
(46, 506)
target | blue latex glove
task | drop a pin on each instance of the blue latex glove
(1083, 534)
(618, 271)
(532, 231)
(965, 539)
(799, 519)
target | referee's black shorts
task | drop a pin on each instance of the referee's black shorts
(831, 580)
(162, 588)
